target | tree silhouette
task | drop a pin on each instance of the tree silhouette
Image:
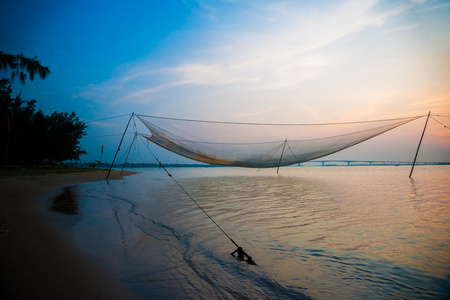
(20, 65)
(63, 133)
(28, 136)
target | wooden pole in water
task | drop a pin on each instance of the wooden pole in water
(118, 148)
(279, 163)
(420, 142)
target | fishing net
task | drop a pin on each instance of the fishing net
(259, 145)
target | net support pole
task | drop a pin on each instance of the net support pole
(281, 157)
(120, 144)
(420, 142)
(128, 154)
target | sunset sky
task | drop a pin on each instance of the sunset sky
(244, 61)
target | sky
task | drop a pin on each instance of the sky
(240, 61)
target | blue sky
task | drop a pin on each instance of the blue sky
(246, 61)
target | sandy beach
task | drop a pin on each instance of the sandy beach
(36, 261)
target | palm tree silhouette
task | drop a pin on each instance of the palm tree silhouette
(20, 65)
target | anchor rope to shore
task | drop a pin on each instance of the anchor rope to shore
(240, 251)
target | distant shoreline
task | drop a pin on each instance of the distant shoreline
(321, 163)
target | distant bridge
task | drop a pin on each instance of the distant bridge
(366, 163)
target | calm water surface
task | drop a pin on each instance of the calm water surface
(315, 233)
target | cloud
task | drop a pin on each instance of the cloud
(101, 124)
(401, 28)
(439, 6)
(253, 48)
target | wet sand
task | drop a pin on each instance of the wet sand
(36, 261)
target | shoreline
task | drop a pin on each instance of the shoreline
(36, 260)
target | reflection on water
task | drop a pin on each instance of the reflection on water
(332, 232)
(67, 202)
(365, 231)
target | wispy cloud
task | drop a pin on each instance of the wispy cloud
(439, 6)
(401, 28)
(101, 124)
(263, 47)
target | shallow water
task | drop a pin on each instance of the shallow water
(321, 233)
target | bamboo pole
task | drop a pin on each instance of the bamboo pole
(128, 154)
(118, 148)
(282, 152)
(420, 142)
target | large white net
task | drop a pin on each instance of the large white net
(257, 145)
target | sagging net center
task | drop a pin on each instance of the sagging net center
(259, 145)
